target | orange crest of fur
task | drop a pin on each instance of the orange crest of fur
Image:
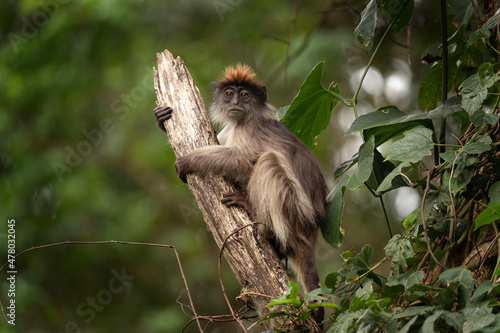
(242, 75)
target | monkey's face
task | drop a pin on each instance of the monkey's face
(235, 103)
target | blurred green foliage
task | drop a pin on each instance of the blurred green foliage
(81, 159)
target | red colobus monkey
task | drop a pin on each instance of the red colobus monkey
(279, 180)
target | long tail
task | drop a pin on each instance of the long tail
(278, 199)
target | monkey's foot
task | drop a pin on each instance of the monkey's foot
(236, 199)
(162, 114)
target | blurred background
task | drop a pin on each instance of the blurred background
(81, 157)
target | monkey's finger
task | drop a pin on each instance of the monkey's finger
(162, 113)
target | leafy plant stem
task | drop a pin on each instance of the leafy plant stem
(367, 272)
(347, 103)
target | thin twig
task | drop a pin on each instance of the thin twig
(68, 242)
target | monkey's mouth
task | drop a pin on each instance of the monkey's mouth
(235, 111)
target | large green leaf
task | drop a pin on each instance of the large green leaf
(388, 122)
(365, 31)
(310, 112)
(416, 144)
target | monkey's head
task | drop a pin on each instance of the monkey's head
(238, 96)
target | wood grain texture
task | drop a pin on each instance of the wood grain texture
(252, 259)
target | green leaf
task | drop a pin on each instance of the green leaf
(363, 295)
(480, 118)
(365, 165)
(473, 94)
(387, 183)
(482, 290)
(428, 326)
(457, 274)
(416, 144)
(346, 166)
(407, 279)
(332, 280)
(309, 113)
(486, 76)
(410, 221)
(487, 216)
(331, 228)
(291, 293)
(293, 302)
(477, 35)
(479, 145)
(388, 122)
(362, 260)
(403, 9)
(461, 177)
(398, 250)
(365, 31)
(494, 193)
(476, 322)
(406, 328)
(454, 319)
(414, 311)
(322, 305)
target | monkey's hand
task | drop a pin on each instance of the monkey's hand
(162, 113)
(182, 167)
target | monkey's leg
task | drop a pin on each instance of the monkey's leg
(162, 114)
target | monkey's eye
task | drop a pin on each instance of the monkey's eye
(244, 94)
(229, 93)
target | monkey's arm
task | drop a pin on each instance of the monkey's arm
(225, 161)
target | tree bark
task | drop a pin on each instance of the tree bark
(252, 259)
